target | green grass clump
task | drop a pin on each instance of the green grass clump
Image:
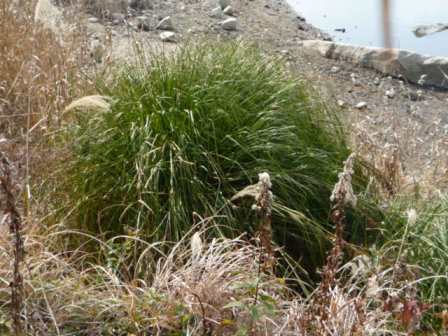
(186, 131)
(420, 238)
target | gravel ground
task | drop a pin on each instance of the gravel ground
(399, 120)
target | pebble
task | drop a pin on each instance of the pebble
(361, 105)
(415, 96)
(354, 79)
(341, 103)
(93, 20)
(216, 12)
(224, 3)
(229, 24)
(422, 79)
(335, 69)
(140, 4)
(228, 10)
(390, 93)
(143, 23)
(167, 36)
(376, 81)
(118, 17)
(165, 24)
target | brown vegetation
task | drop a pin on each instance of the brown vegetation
(38, 72)
(202, 285)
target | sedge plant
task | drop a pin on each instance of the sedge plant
(169, 140)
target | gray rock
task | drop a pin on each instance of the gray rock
(355, 80)
(334, 69)
(224, 3)
(229, 24)
(165, 24)
(341, 103)
(395, 62)
(422, 79)
(228, 10)
(103, 8)
(118, 17)
(361, 105)
(217, 12)
(143, 23)
(390, 93)
(414, 96)
(168, 36)
(140, 4)
(424, 30)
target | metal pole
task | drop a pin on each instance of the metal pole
(386, 23)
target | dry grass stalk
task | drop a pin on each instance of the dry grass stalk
(15, 227)
(39, 73)
(263, 208)
(393, 172)
(341, 197)
(200, 287)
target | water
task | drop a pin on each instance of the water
(362, 21)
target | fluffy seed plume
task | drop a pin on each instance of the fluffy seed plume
(263, 207)
(412, 216)
(343, 190)
(95, 102)
(264, 194)
(196, 246)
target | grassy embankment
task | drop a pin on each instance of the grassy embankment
(156, 157)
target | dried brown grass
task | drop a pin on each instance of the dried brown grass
(13, 218)
(39, 74)
(214, 286)
(205, 290)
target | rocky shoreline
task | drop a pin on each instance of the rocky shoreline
(389, 117)
(416, 68)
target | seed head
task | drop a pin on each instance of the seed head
(196, 246)
(412, 216)
(343, 190)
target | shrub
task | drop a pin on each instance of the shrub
(186, 131)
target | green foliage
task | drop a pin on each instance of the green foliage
(186, 131)
(421, 240)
